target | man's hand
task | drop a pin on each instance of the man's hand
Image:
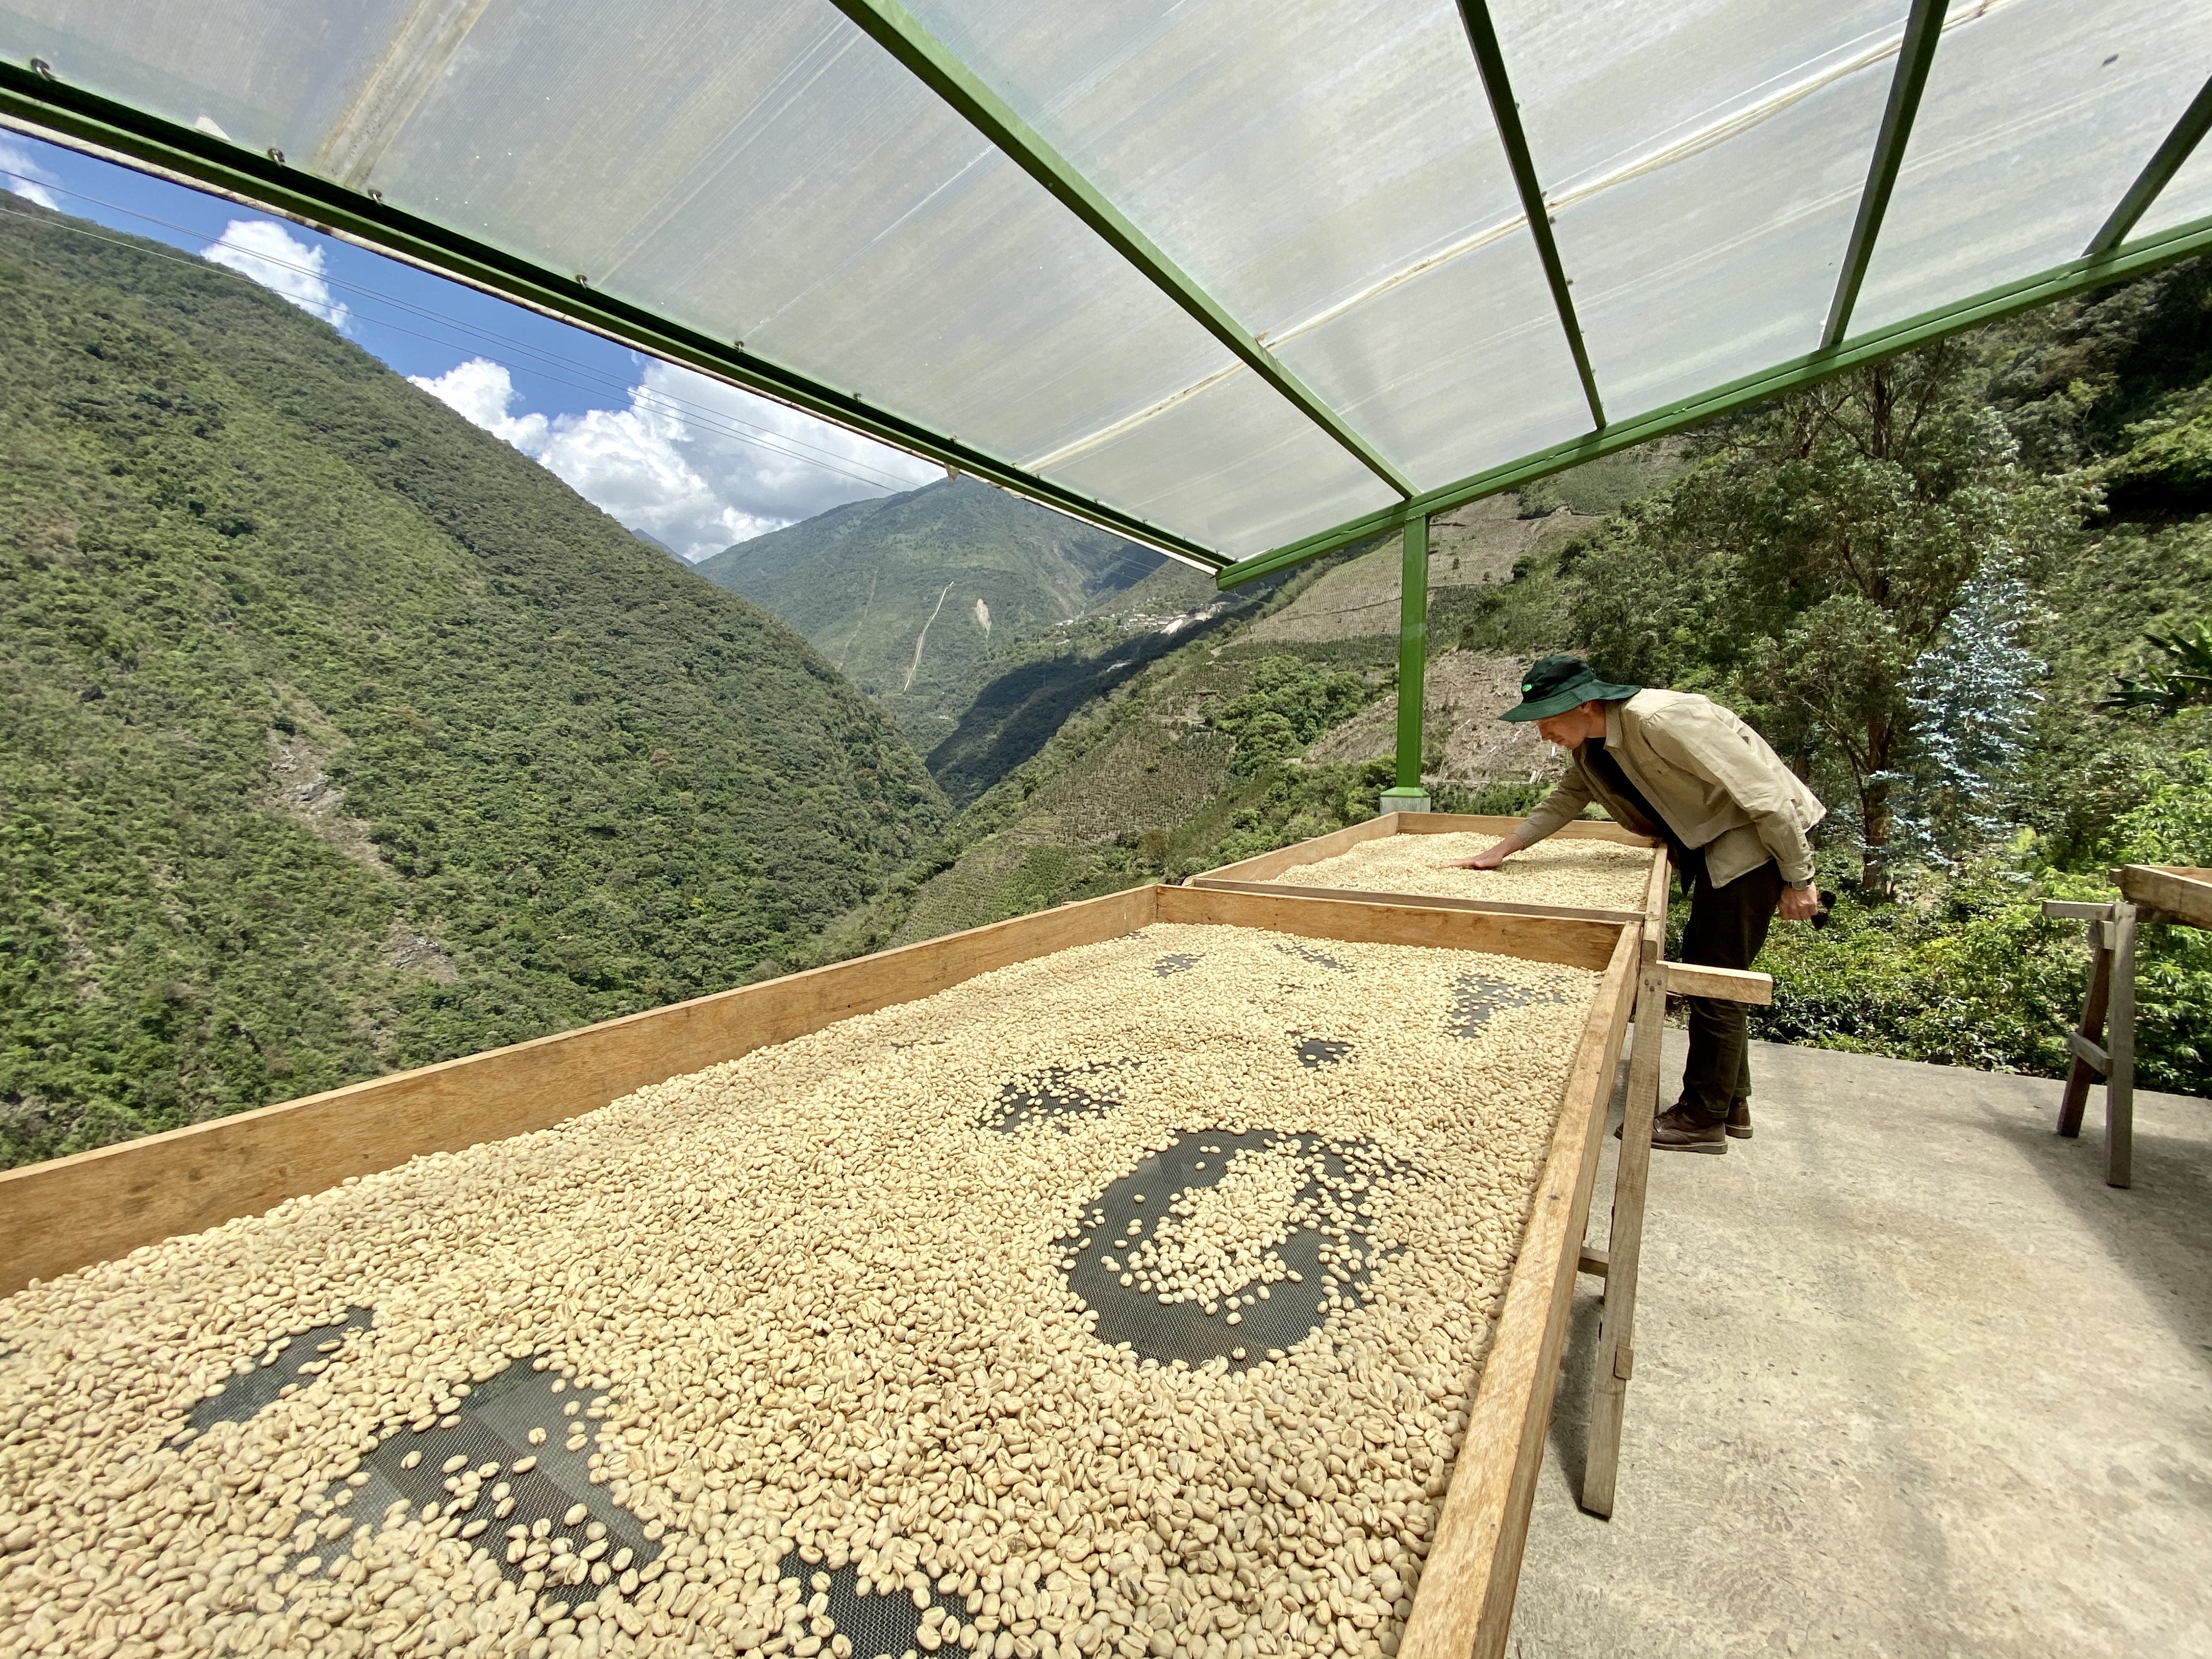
(1798, 903)
(1490, 857)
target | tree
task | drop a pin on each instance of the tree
(1813, 555)
(1971, 696)
(1290, 704)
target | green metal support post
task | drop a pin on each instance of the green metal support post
(1408, 795)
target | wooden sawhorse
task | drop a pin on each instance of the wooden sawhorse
(2149, 892)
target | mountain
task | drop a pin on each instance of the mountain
(1139, 756)
(336, 736)
(921, 599)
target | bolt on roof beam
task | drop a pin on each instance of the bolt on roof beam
(2162, 165)
(899, 32)
(2076, 277)
(52, 109)
(1915, 54)
(1482, 36)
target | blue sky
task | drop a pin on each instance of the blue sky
(692, 462)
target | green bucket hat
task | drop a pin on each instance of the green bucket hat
(1552, 685)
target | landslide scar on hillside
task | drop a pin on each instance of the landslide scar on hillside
(300, 787)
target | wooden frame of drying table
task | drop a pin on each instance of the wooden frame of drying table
(94, 1206)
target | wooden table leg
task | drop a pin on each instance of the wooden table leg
(1624, 1245)
(2084, 1075)
(2120, 1077)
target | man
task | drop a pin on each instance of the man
(1678, 766)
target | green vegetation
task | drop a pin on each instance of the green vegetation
(1290, 702)
(1151, 779)
(2183, 681)
(1815, 554)
(339, 737)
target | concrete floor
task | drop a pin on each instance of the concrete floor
(1911, 1380)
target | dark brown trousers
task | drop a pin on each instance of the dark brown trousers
(1728, 925)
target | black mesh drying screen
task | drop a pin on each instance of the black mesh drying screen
(282, 1364)
(1055, 1091)
(879, 1621)
(1477, 996)
(1307, 953)
(492, 1427)
(1337, 1193)
(1316, 1051)
(489, 1429)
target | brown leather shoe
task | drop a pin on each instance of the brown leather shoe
(1678, 1132)
(1739, 1120)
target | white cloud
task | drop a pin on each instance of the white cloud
(287, 266)
(483, 391)
(691, 462)
(22, 176)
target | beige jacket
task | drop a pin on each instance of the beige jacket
(1710, 777)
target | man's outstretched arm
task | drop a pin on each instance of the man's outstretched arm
(1563, 805)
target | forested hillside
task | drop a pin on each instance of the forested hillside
(923, 598)
(336, 736)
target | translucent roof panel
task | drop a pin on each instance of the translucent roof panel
(1608, 86)
(1289, 156)
(1305, 162)
(219, 66)
(1704, 162)
(1460, 366)
(1323, 181)
(802, 192)
(1721, 261)
(1223, 462)
(2038, 115)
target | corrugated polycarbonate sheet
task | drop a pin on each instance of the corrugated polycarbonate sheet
(771, 175)
(1289, 156)
(1313, 165)
(1459, 366)
(1704, 161)
(2038, 115)
(223, 66)
(1724, 261)
(1609, 86)
(1221, 465)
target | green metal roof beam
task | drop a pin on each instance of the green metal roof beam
(1482, 36)
(896, 30)
(84, 120)
(2153, 179)
(2132, 259)
(1915, 53)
